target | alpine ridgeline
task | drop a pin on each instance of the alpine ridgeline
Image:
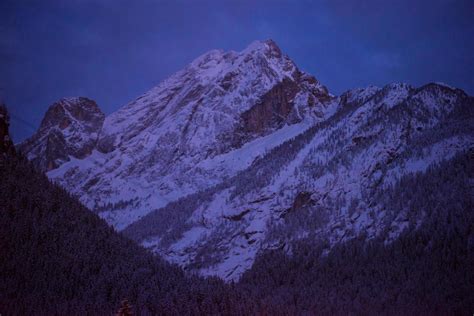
(243, 152)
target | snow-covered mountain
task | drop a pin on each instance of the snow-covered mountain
(241, 152)
(166, 143)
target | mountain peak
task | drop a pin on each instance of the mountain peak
(269, 47)
(259, 56)
(70, 127)
(220, 86)
(62, 112)
(217, 62)
(220, 102)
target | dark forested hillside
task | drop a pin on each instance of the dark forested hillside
(427, 270)
(60, 258)
(57, 257)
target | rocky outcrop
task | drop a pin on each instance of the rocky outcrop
(272, 110)
(277, 107)
(70, 128)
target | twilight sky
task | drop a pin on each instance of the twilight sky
(114, 50)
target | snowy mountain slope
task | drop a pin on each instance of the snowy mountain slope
(326, 183)
(241, 152)
(70, 128)
(164, 145)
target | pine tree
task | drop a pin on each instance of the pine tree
(125, 309)
(6, 144)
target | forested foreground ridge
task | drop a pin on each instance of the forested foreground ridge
(60, 258)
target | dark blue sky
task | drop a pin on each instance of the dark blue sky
(112, 51)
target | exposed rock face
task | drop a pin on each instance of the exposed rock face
(70, 127)
(277, 107)
(271, 112)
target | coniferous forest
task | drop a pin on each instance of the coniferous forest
(60, 258)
